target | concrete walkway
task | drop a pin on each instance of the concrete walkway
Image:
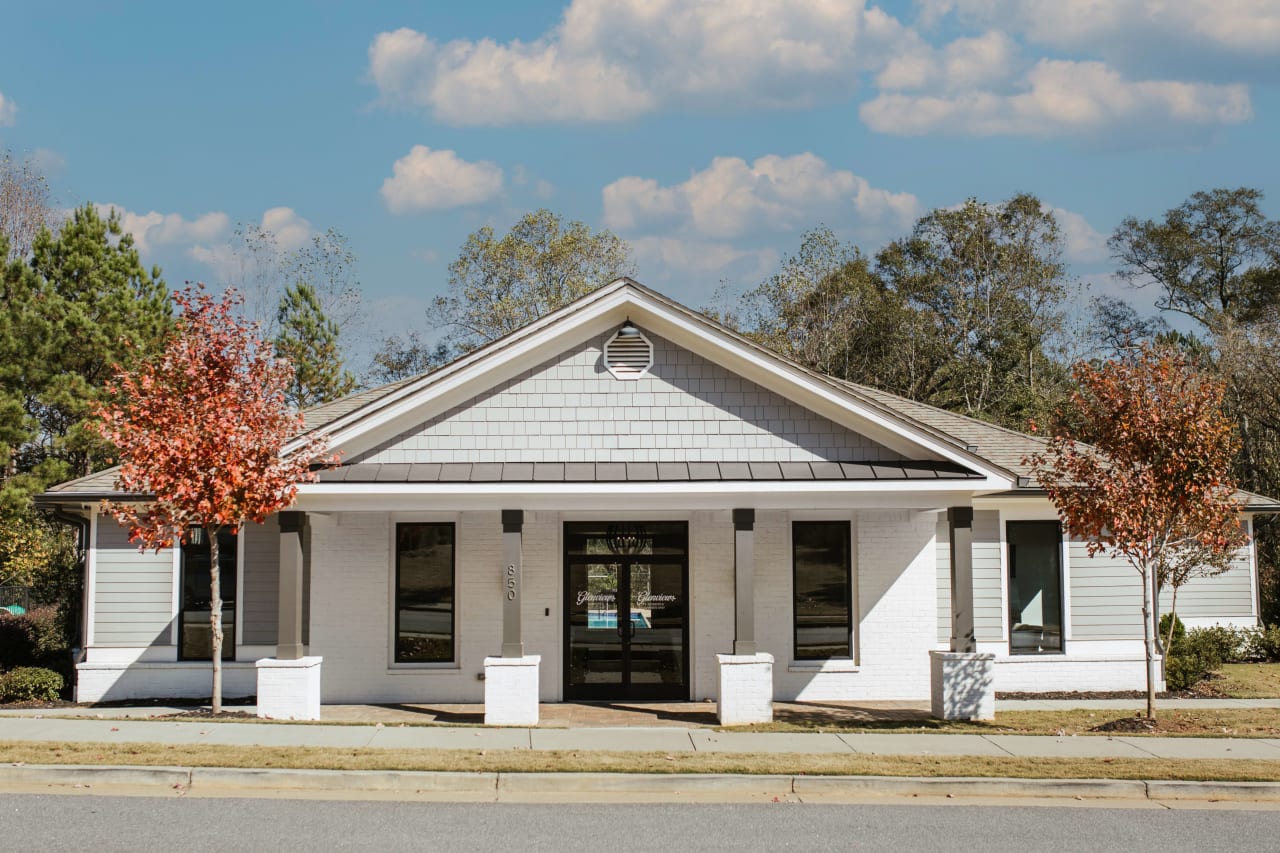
(631, 738)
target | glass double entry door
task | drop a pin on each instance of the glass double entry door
(626, 610)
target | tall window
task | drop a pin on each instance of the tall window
(1035, 587)
(820, 556)
(195, 634)
(424, 593)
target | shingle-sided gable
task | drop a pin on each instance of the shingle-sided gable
(571, 409)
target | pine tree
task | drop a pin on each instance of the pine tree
(309, 340)
(96, 307)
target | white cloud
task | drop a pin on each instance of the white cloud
(664, 257)
(151, 230)
(1083, 243)
(962, 64)
(1120, 27)
(610, 60)
(1061, 97)
(8, 110)
(426, 180)
(731, 198)
(290, 230)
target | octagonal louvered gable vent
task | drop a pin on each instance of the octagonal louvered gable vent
(628, 354)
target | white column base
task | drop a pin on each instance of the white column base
(746, 689)
(964, 685)
(511, 691)
(289, 689)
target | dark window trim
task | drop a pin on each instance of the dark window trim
(848, 588)
(228, 637)
(1062, 587)
(395, 593)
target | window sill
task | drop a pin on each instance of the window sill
(424, 668)
(823, 666)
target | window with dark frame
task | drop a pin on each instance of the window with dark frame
(195, 632)
(1035, 587)
(424, 592)
(822, 589)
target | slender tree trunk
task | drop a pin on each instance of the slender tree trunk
(215, 618)
(1148, 639)
(1173, 619)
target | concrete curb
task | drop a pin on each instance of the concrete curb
(224, 778)
(94, 775)
(980, 786)
(228, 779)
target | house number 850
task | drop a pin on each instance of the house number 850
(511, 582)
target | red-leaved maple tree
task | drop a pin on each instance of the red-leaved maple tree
(200, 429)
(1141, 469)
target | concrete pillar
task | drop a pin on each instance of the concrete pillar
(960, 524)
(744, 579)
(746, 676)
(962, 679)
(512, 638)
(289, 625)
(289, 683)
(511, 681)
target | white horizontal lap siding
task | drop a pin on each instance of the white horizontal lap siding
(988, 571)
(260, 583)
(133, 591)
(1106, 596)
(1228, 596)
(571, 409)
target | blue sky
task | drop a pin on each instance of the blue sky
(710, 135)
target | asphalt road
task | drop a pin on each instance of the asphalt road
(108, 823)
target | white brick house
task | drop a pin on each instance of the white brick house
(627, 500)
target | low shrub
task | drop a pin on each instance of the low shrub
(1182, 671)
(34, 638)
(30, 684)
(1224, 645)
(1264, 644)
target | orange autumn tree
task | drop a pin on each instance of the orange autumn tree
(200, 429)
(1143, 473)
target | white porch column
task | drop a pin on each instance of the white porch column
(963, 681)
(511, 681)
(289, 683)
(746, 676)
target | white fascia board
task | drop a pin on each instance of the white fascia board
(628, 496)
(545, 339)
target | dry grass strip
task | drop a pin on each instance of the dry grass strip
(527, 761)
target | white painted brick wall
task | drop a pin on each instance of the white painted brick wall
(511, 691)
(178, 680)
(711, 605)
(289, 689)
(746, 689)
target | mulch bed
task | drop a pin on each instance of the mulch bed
(207, 713)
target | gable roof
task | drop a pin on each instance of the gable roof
(965, 443)
(394, 409)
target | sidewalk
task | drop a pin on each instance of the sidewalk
(666, 733)
(629, 739)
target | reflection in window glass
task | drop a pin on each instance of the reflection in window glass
(196, 632)
(424, 593)
(820, 551)
(1035, 587)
